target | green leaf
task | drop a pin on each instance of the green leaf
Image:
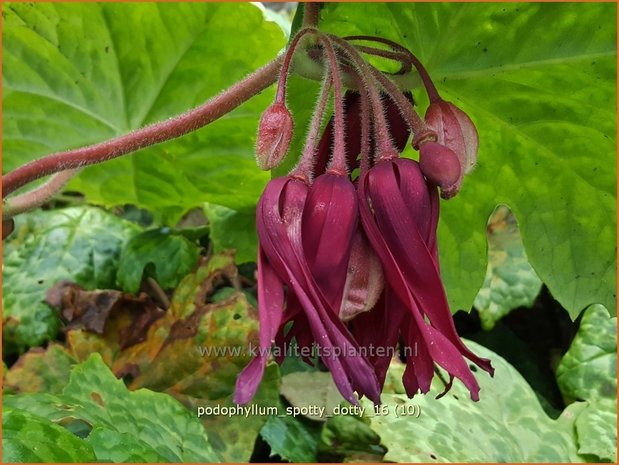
(510, 281)
(234, 437)
(80, 244)
(118, 447)
(161, 254)
(348, 438)
(506, 425)
(596, 428)
(30, 438)
(231, 229)
(142, 420)
(76, 74)
(543, 100)
(588, 371)
(292, 438)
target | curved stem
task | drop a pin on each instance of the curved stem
(36, 197)
(420, 129)
(433, 94)
(305, 167)
(280, 96)
(400, 57)
(366, 150)
(153, 134)
(338, 161)
(384, 142)
(390, 43)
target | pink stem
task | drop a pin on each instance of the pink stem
(36, 197)
(420, 129)
(402, 58)
(311, 14)
(384, 142)
(338, 162)
(305, 167)
(280, 96)
(433, 94)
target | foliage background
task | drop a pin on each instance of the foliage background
(543, 99)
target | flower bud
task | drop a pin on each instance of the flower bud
(439, 165)
(274, 135)
(456, 131)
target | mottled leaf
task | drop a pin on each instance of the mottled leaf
(40, 370)
(151, 421)
(588, 371)
(121, 447)
(510, 281)
(347, 438)
(233, 436)
(161, 254)
(506, 425)
(80, 244)
(30, 438)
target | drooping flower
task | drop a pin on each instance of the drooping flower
(399, 214)
(279, 221)
(340, 285)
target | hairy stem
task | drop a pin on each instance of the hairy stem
(305, 167)
(383, 140)
(280, 96)
(153, 134)
(311, 14)
(366, 122)
(36, 197)
(338, 162)
(433, 94)
(400, 57)
(419, 128)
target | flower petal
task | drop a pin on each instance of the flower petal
(329, 222)
(271, 305)
(278, 220)
(395, 220)
(413, 274)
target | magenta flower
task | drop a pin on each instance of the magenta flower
(399, 212)
(348, 254)
(279, 220)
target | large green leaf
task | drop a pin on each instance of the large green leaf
(143, 421)
(80, 244)
(588, 371)
(30, 438)
(543, 99)
(75, 74)
(506, 425)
